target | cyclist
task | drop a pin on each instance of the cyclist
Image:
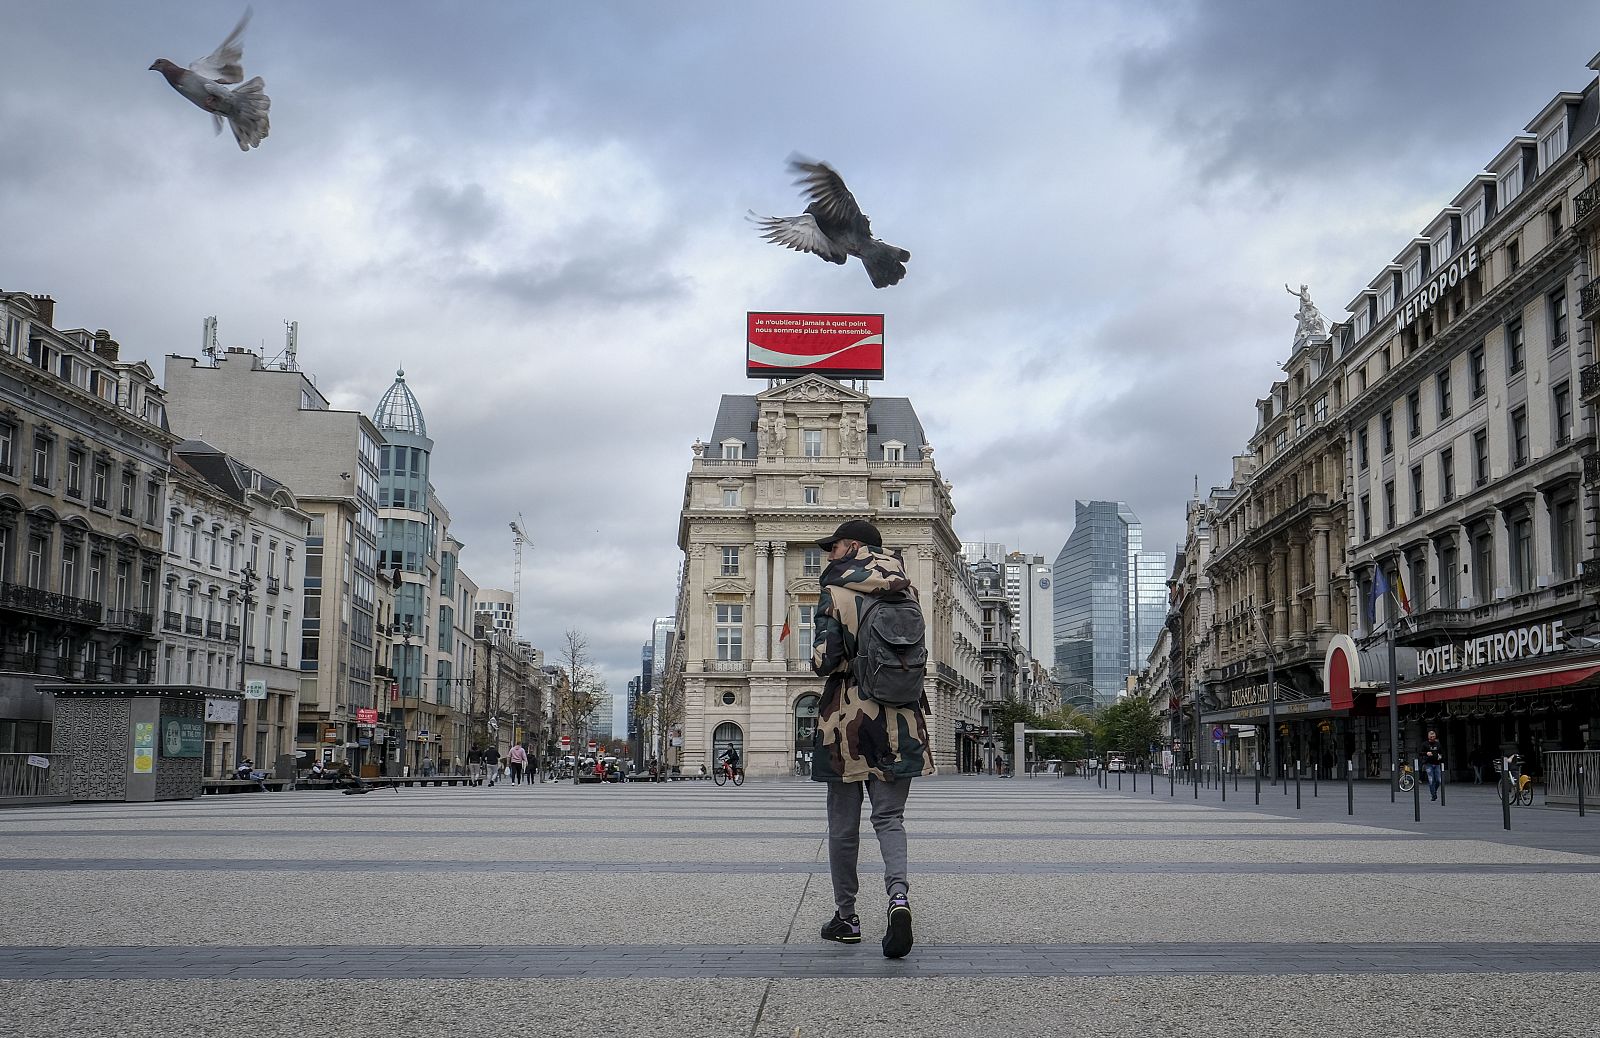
(730, 760)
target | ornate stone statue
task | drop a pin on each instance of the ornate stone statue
(698, 447)
(773, 429)
(1311, 322)
(853, 434)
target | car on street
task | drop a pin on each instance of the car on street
(1116, 762)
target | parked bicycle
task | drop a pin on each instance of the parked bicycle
(1520, 783)
(1408, 778)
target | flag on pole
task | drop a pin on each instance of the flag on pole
(1380, 587)
(1400, 592)
(785, 633)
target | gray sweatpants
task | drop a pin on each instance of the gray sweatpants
(844, 836)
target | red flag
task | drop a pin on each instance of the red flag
(1400, 590)
(785, 633)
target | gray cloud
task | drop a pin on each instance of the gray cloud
(538, 211)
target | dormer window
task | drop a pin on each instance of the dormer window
(894, 451)
(1552, 146)
(732, 450)
(1510, 185)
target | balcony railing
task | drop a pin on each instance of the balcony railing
(213, 628)
(7, 468)
(130, 620)
(1586, 202)
(44, 603)
(1589, 382)
(728, 666)
(1589, 299)
(272, 585)
(1591, 470)
(193, 625)
(231, 632)
(1591, 574)
(171, 621)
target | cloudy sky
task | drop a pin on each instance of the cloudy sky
(538, 210)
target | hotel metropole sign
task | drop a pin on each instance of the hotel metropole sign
(1519, 643)
(1442, 281)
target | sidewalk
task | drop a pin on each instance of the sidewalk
(1468, 811)
(1043, 907)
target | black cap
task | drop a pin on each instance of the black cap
(853, 530)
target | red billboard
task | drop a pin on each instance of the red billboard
(835, 345)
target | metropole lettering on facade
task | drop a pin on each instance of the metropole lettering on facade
(1486, 650)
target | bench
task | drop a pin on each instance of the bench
(217, 786)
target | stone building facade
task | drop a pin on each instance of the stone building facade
(274, 418)
(1278, 566)
(783, 468)
(84, 441)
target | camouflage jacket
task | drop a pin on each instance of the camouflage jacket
(858, 738)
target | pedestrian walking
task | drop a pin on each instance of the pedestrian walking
(475, 766)
(491, 761)
(518, 758)
(864, 746)
(1433, 763)
(1478, 760)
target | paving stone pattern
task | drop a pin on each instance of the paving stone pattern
(1044, 906)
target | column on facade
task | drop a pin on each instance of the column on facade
(1297, 580)
(1321, 568)
(1258, 603)
(762, 620)
(780, 610)
(1280, 593)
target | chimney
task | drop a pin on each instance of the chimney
(46, 308)
(105, 346)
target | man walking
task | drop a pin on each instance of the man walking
(519, 760)
(491, 762)
(1433, 763)
(863, 746)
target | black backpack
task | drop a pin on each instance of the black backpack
(891, 650)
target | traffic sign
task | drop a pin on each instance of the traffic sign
(593, 746)
(1217, 734)
(566, 742)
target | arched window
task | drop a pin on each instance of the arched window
(728, 735)
(805, 722)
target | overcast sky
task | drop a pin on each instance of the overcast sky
(538, 210)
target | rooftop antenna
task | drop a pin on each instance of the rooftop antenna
(291, 336)
(208, 339)
(286, 361)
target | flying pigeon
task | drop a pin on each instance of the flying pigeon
(244, 107)
(833, 226)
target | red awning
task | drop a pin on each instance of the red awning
(1539, 681)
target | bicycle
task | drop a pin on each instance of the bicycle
(726, 771)
(1408, 778)
(1522, 791)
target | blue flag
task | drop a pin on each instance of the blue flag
(1380, 587)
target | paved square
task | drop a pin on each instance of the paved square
(1047, 906)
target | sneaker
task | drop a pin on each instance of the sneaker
(897, 942)
(845, 930)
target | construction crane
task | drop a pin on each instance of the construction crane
(519, 537)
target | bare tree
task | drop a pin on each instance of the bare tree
(582, 683)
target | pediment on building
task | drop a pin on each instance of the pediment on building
(727, 587)
(811, 389)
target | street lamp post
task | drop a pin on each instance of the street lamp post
(247, 584)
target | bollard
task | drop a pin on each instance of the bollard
(1505, 798)
(1152, 780)
(1297, 785)
(1236, 778)
(1314, 770)
(1224, 783)
(1258, 783)
(1119, 782)
(1416, 792)
(1349, 787)
(1441, 785)
(1580, 791)
(1196, 776)
(1286, 778)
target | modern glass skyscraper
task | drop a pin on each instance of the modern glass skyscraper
(1110, 602)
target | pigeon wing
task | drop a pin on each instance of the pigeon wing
(828, 195)
(800, 233)
(223, 65)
